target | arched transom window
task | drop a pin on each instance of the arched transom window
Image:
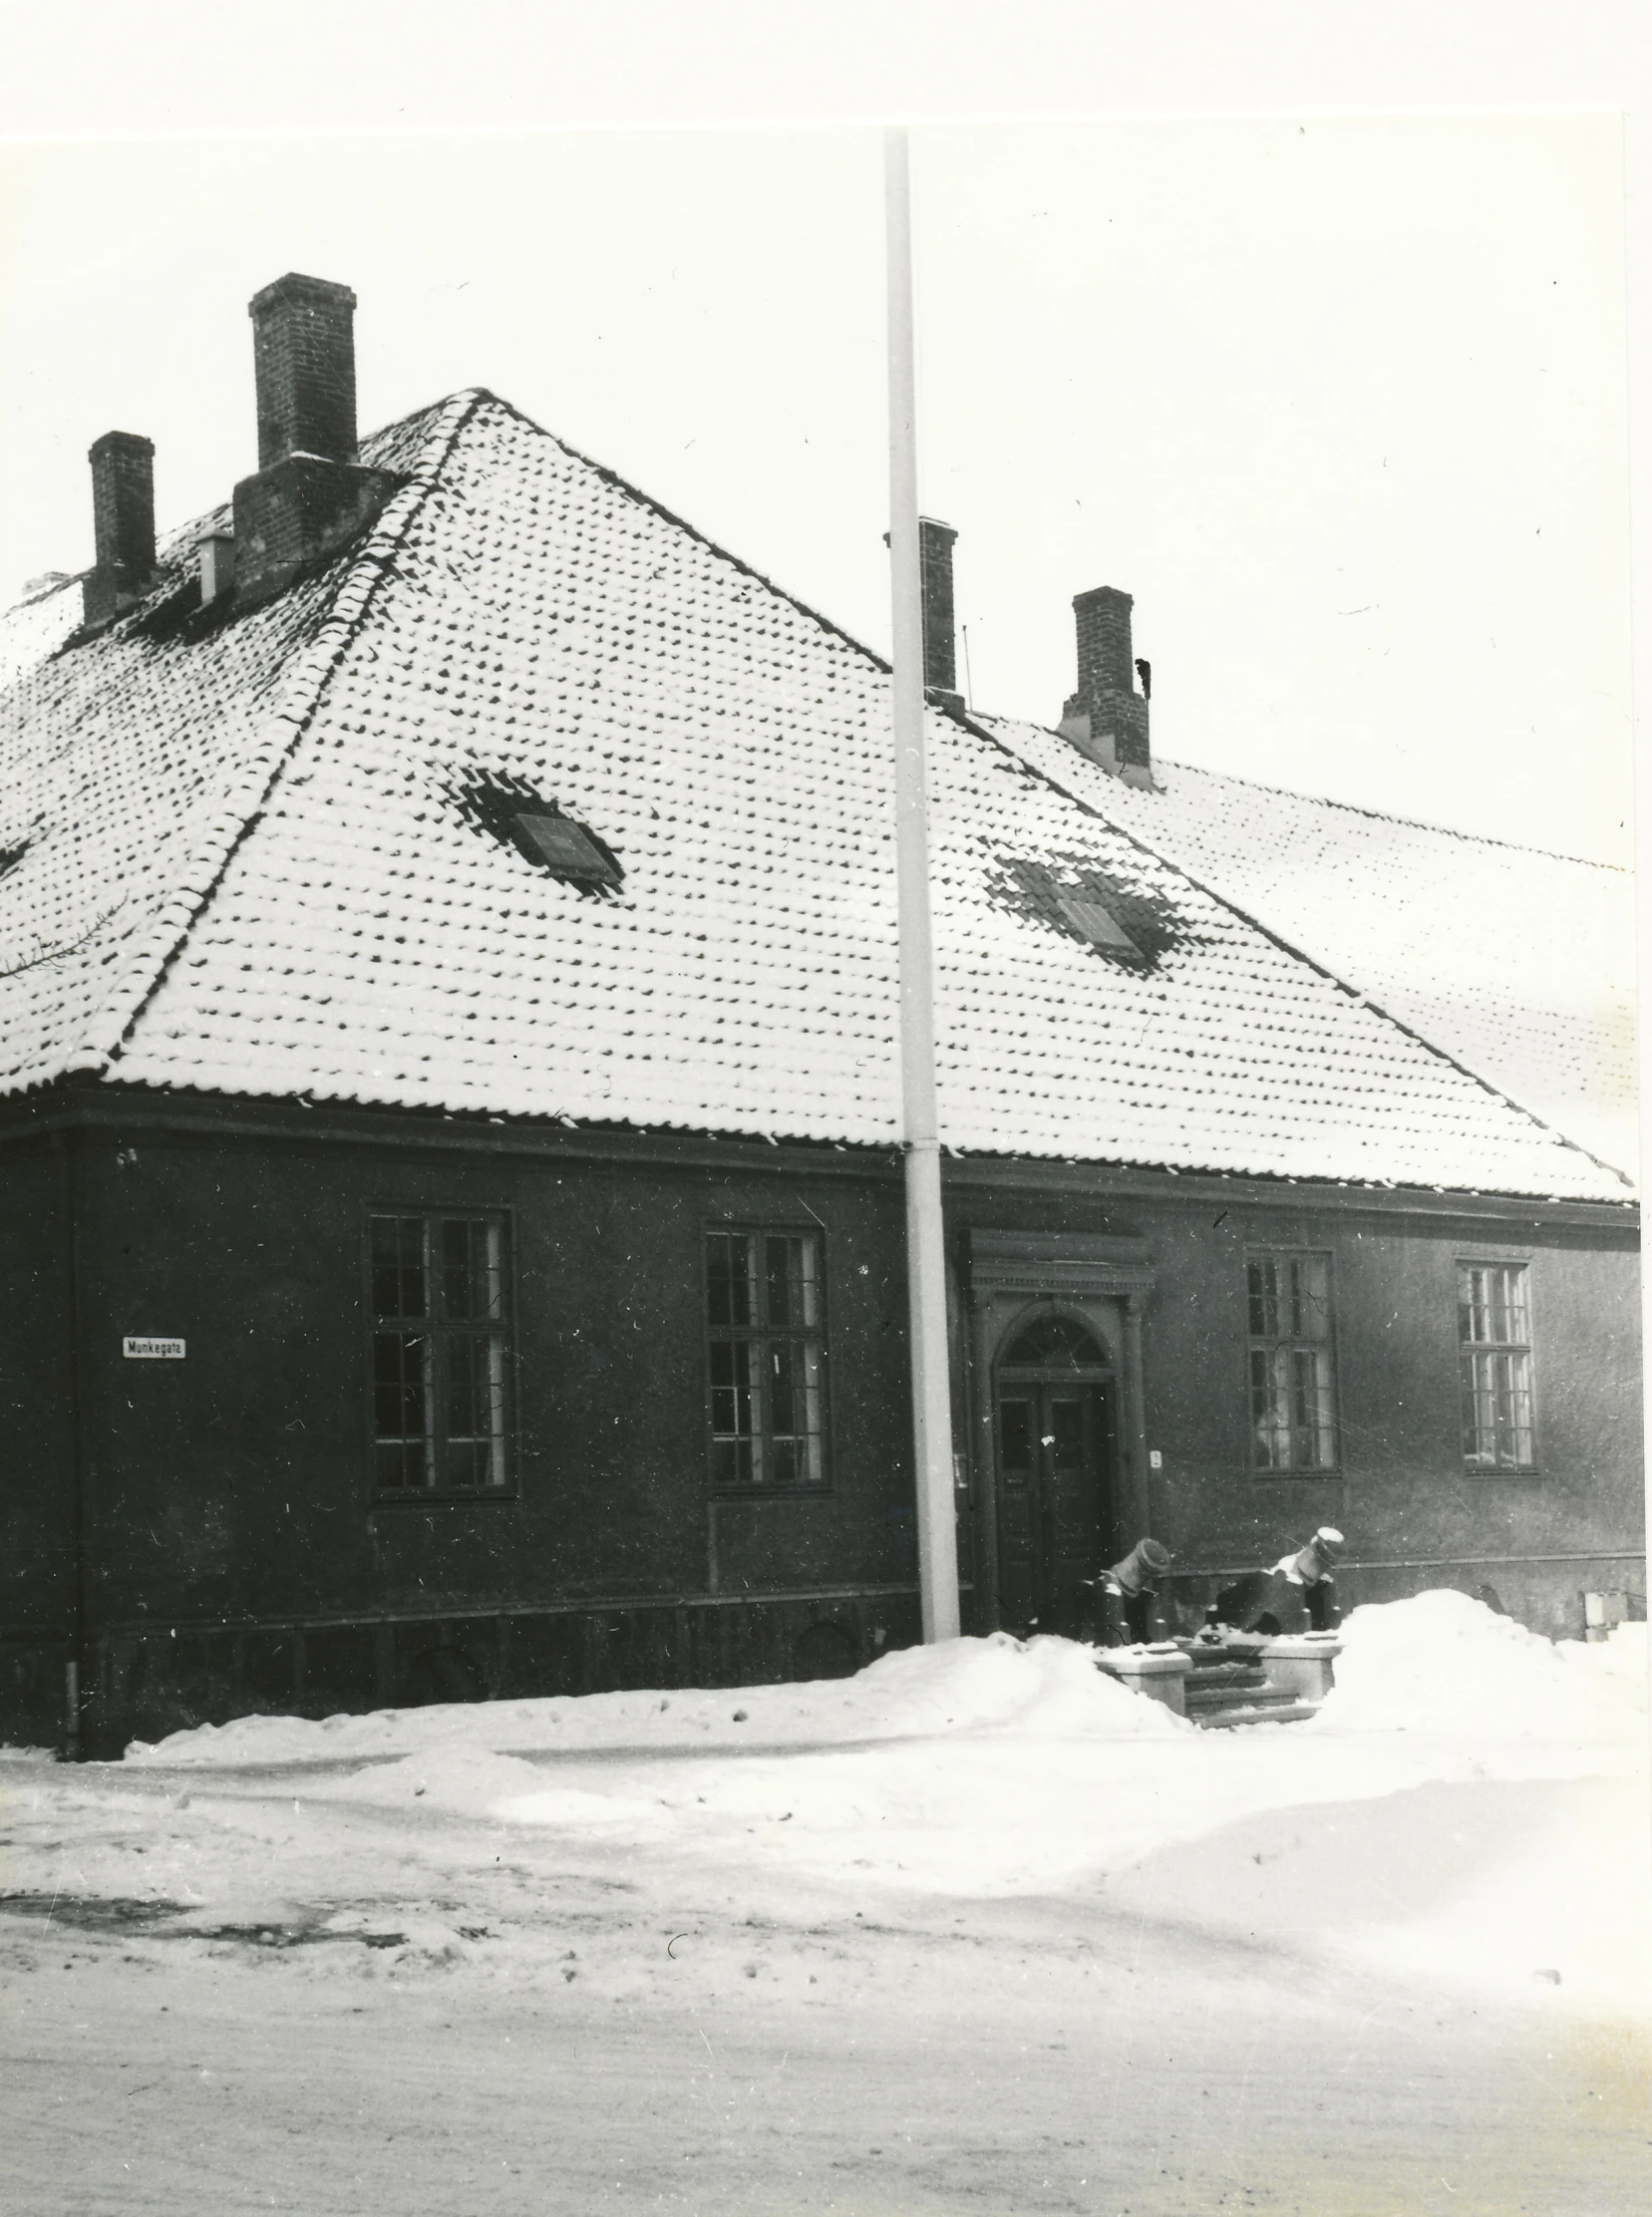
(1055, 1343)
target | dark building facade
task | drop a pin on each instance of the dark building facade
(211, 1508)
(452, 1235)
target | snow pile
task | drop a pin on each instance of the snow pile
(1622, 1659)
(1447, 1666)
(453, 1778)
(1438, 1665)
(473, 1783)
(979, 1768)
(1043, 1690)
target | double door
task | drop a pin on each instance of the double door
(1055, 1449)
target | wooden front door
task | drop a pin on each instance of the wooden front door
(1055, 1449)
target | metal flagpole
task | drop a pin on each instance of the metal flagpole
(925, 1248)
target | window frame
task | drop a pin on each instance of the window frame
(1518, 1261)
(430, 1216)
(602, 870)
(714, 1335)
(1091, 919)
(1291, 1473)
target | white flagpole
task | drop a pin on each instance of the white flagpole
(925, 1247)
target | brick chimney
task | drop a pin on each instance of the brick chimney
(123, 522)
(304, 367)
(941, 667)
(1107, 718)
(310, 495)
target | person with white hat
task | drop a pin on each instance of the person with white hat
(1311, 1569)
(1135, 1582)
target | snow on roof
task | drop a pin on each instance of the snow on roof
(38, 625)
(254, 860)
(1519, 963)
(131, 767)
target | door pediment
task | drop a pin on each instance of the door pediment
(1075, 1266)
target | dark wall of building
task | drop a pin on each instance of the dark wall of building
(236, 1481)
(1402, 1490)
(37, 1460)
(238, 1558)
(1401, 1494)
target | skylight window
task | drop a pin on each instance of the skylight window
(567, 849)
(508, 808)
(1129, 923)
(1092, 921)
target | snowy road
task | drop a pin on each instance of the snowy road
(966, 1936)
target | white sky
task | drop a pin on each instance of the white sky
(1340, 401)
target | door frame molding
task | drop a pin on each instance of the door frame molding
(1014, 1276)
(1038, 1383)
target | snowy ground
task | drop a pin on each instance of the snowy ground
(976, 1931)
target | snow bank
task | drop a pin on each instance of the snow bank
(1448, 1666)
(465, 1781)
(1623, 1659)
(1043, 1688)
(976, 1768)
(1437, 1665)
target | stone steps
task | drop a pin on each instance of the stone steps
(1239, 1679)
(1240, 1695)
(1282, 1709)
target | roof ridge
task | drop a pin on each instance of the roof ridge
(110, 1026)
(1300, 954)
(1387, 815)
(1354, 808)
(612, 476)
(43, 589)
(181, 536)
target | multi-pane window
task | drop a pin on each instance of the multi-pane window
(439, 1352)
(1494, 1326)
(1292, 1390)
(768, 1358)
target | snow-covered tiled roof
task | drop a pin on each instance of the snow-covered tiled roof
(252, 864)
(38, 625)
(1519, 963)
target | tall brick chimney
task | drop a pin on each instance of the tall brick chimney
(310, 495)
(940, 666)
(1107, 718)
(122, 523)
(304, 365)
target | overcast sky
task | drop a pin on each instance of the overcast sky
(1341, 402)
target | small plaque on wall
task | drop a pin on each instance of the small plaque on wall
(140, 1349)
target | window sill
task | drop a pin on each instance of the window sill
(771, 1493)
(414, 1498)
(1296, 1477)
